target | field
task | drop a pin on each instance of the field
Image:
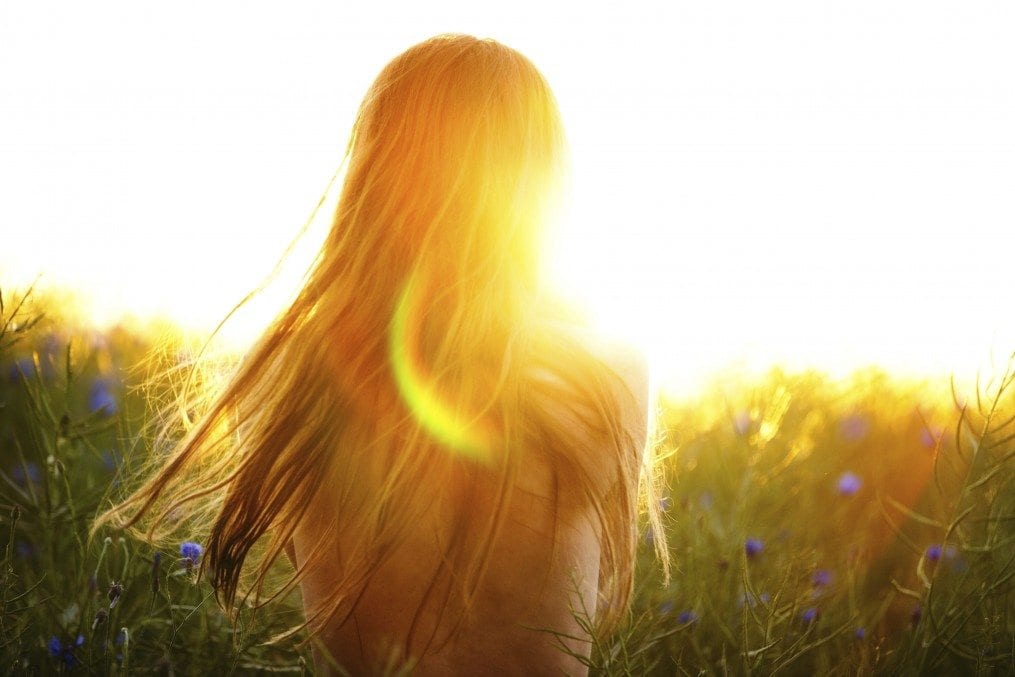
(864, 526)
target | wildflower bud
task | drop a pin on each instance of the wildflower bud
(848, 484)
(115, 590)
(753, 547)
(821, 578)
(100, 617)
(687, 616)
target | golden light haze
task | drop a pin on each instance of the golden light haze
(791, 182)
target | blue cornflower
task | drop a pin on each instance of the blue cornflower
(687, 616)
(933, 552)
(754, 546)
(848, 484)
(821, 578)
(809, 615)
(111, 461)
(23, 366)
(26, 474)
(100, 399)
(191, 553)
(65, 652)
(860, 633)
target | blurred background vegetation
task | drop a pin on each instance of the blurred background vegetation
(817, 527)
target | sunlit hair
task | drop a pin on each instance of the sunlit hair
(420, 364)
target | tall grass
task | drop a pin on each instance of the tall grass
(72, 424)
(817, 527)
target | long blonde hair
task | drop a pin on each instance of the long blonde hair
(416, 361)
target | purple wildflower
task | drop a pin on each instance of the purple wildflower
(706, 501)
(860, 633)
(821, 578)
(111, 461)
(65, 652)
(754, 546)
(687, 616)
(916, 615)
(931, 437)
(741, 422)
(848, 484)
(933, 553)
(22, 366)
(191, 553)
(809, 615)
(26, 474)
(100, 399)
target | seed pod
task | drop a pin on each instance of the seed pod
(115, 590)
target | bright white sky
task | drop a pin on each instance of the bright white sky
(753, 182)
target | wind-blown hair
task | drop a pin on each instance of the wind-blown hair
(420, 367)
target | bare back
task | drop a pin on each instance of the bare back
(543, 568)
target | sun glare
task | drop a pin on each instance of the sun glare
(812, 187)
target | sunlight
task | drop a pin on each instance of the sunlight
(810, 188)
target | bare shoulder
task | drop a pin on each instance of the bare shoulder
(624, 359)
(632, 370)
(631, 393)
(629, 364)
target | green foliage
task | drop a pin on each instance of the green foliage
(70, 423)
(832, 528)
(816, 527)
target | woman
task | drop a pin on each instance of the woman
(452, 468)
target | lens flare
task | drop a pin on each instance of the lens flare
(465, 437)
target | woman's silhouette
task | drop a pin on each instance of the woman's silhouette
(452, 466)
